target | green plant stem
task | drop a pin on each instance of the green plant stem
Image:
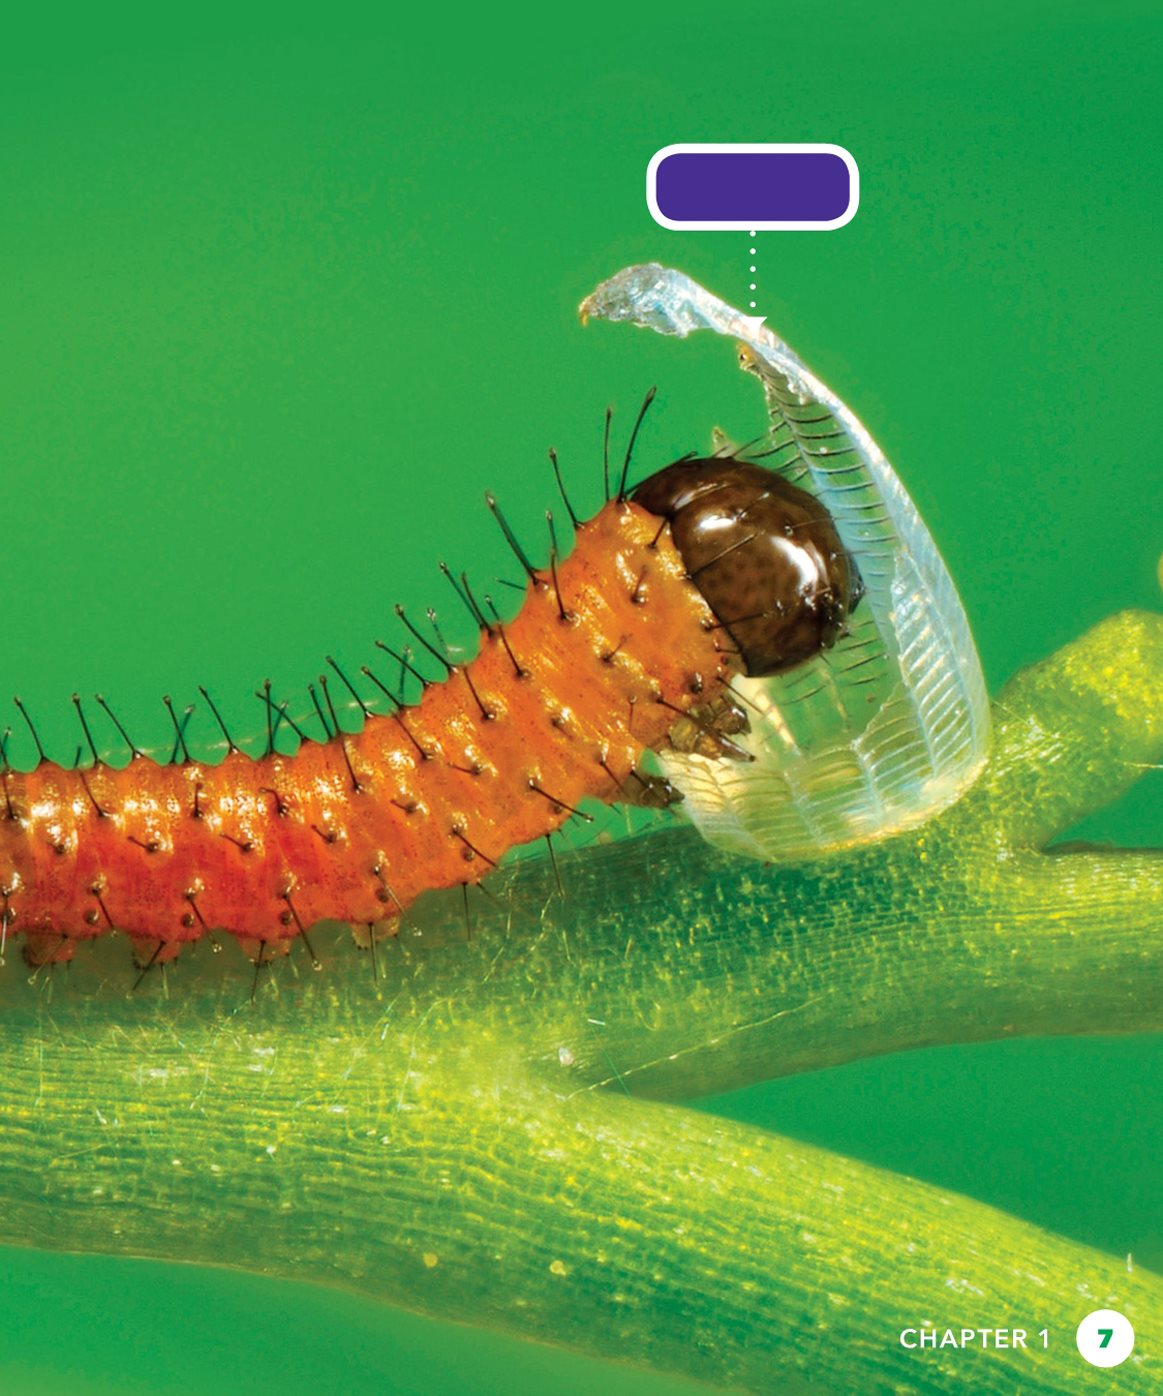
(457, 1136)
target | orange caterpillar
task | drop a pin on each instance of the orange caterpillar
(709, 567)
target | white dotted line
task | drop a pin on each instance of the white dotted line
(752, 268)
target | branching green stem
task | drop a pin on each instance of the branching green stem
(484, 1133)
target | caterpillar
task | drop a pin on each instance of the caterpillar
(710, 567)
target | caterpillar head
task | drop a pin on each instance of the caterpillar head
(764, 553)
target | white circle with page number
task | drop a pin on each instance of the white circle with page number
(1105, 1338)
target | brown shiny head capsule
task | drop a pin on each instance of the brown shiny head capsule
(764, 553)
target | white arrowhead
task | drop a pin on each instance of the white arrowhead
(753, 322)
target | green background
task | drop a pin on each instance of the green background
(280, 296)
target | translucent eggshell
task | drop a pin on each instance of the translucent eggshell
(889, 726)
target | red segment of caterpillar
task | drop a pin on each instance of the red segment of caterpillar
(558, 707)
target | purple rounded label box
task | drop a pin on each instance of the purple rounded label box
(752, 187)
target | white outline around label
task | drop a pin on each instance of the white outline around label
(735, 225)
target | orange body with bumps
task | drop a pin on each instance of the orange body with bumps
(430, 797)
